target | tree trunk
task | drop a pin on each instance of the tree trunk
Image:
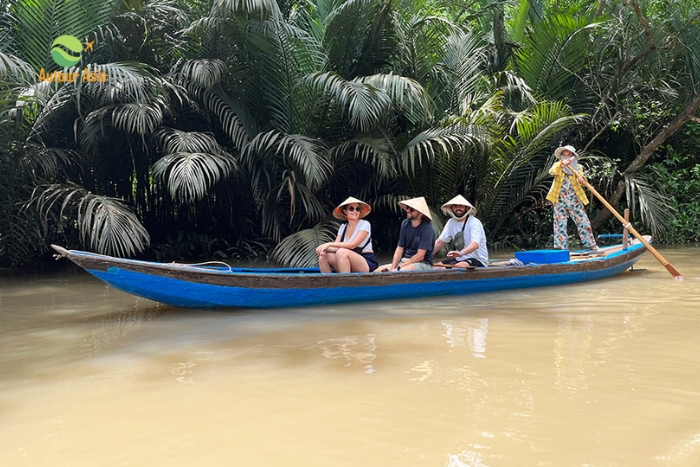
(500, 59)
(686, 115)
(601, 8)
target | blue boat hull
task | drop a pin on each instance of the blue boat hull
(198, 287)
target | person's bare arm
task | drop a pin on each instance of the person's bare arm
(417, 258)
(333, 246)
(398, 254)
(472, 247)
(438, 246)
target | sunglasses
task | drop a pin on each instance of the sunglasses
(409, 209)
(353, 208)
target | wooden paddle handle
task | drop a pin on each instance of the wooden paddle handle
(629, 227)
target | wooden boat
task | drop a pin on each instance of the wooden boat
(207, 286)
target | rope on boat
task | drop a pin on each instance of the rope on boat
(220, 263)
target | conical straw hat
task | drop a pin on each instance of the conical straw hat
(419, 205)
(568, 147)
(338, 212)
(459, 199)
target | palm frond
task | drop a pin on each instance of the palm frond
(125, 82)
(140, 119)
(440, 140)
(287, 54)
(251, 8)
(161, 15)
(202, 25)
(22, 238)
(460, 70)
(15, 68)
(49, 99)
(554, 49)
(652, 205)
(520, 19)
(490, 113)
(39, 22)
(408, 95)
(106, 224)
(365, 104)
(308, 154)
(381, 41)
(519, 163)
(204, 72)
(45, 162)
(346, 35)
(421, 40)
(190, 175)
(136, 118)
(173, 140)
(315, 18)
(372, 150)
(285, 205)
(542, 120)
(514, 88)
(299, 249)
(222, 109)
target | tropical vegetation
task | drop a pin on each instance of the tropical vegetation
(201, 129)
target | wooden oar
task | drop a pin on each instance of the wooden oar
(629, 227)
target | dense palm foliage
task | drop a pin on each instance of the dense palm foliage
(227, 128)
(634, 70)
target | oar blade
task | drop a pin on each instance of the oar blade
(677, 275)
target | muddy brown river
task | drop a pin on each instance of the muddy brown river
(599, 374)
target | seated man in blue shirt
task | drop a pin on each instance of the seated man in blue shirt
(416, 239)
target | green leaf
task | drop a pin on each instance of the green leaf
(190, 175)
(299, 249)
(106, 224)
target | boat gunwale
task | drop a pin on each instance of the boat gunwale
(303, 280)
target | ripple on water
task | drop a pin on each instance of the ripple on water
(600, 373)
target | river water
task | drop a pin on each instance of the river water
(595, 374)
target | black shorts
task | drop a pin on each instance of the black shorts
(371, 261)
(470, 261)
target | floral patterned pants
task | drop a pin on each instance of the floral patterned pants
(570, 206)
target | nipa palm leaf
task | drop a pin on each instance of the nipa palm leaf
(190, 175)
(106, 224)
(299, 249)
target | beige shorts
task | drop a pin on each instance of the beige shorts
(419, 266)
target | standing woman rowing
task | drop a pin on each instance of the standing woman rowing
(352, 249)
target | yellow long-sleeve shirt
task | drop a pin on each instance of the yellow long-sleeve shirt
(558, 172)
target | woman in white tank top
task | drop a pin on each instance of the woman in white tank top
(352, 249)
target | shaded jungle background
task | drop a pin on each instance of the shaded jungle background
(230, 129)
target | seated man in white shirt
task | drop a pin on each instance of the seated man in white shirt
(468, 234)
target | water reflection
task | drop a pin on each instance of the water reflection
(572, 352)
(426, 368)
(358, 348)
(469, 334)
(580, 344)
(600, 374)
(192, 368)
(113, 325)
(465, 459)
(685, 453)
(49, 323)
